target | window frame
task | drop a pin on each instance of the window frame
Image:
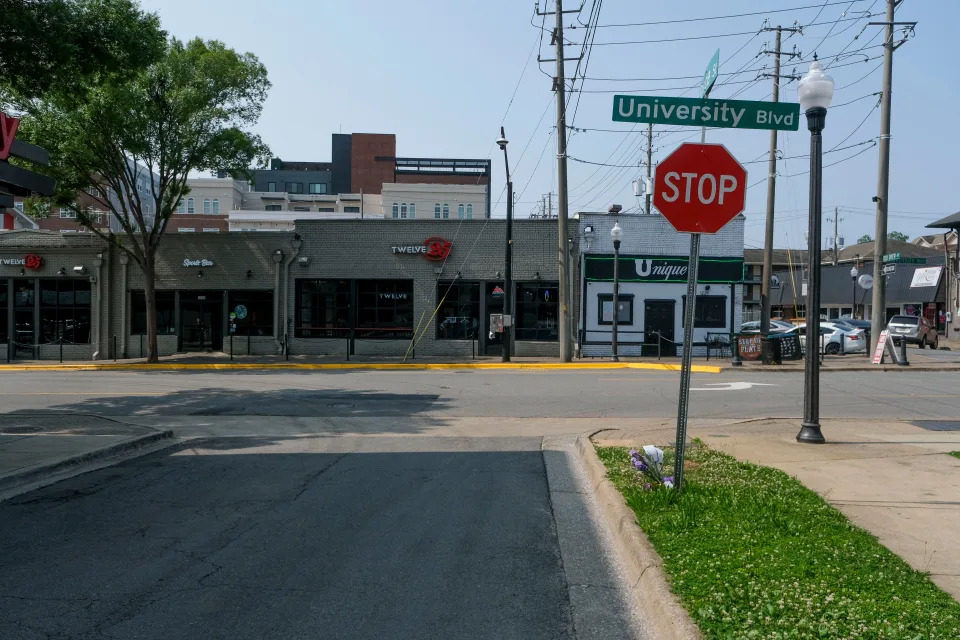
(446, 211)
(469, 212)
(698, 322)
(412, 210)
(216, 206)
(461, 212)
(166, 312)
(271, 187)
(191, 206)
(436, 211)
(395, 209)
(523, 310)
(462, 303)
(621, 299)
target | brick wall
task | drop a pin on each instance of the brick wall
(366, 173)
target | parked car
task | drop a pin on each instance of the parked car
(836, 339)
(915, 330)
(776, 326)
(865, 325)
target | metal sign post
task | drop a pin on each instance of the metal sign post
(685, 363)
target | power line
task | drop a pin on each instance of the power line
(724, 17)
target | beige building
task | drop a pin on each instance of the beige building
(434, 201)
(212, 196)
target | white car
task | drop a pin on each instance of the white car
(836, 339)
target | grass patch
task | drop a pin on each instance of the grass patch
(752, 553)
(955, 454)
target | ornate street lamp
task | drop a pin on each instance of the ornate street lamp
(616, 234)
(853, 278)
(507, 255)
(815, 93)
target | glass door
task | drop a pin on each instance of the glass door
(494, 299)
(201, 321)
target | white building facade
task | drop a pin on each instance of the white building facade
(653, 274)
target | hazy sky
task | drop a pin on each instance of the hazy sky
(441, 75)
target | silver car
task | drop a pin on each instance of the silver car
(915, 330)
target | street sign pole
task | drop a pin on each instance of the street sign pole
(685, 363)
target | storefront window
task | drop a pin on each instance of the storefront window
(459, 310)
(624, 301)
(384, 308)
(165, 313)
(252, 312)
(65, 311)
(323, 308)
(537, 311)
(710, 312)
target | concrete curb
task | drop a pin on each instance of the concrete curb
(828, 369)
(379, 366)
(19, 482)
(666, 617)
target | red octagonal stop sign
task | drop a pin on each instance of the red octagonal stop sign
(699, 188)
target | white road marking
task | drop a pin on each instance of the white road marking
(731, 386)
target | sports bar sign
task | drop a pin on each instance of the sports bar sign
(707, 112)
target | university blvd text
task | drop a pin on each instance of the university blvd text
(707, 112)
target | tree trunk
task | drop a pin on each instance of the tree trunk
(150, 293)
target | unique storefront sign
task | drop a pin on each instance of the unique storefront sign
(30, 261)
(435, 248)
(203, 262)
(662, 269)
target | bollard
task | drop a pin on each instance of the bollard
(843, 344)
(735, 351)
(114, 347)
(286, 346)
(231, 347)
(659, 344)
(348, 347)
(248, 340)
(141, 345)
(903, 353)
(473, 346)
(61, 350)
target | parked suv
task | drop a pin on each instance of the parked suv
(914, 329)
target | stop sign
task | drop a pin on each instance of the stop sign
(699, 188)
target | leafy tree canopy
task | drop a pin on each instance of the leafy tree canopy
(896, 235)
(865, 238)
(57, 45)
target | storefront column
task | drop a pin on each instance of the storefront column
(124, 267)
(482, 338)
(278, 263)
(176, 319)
(11, 327)
(225, 332)
(96, 314)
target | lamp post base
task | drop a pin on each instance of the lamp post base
(810, 433)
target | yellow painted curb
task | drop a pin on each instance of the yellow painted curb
(377, 366)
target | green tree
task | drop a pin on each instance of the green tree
(187, 112)
(865, 238)
(57, 45)
(896, 235)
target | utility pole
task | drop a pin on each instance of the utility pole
(550, 204)
(649, 184)
(878, 315)
(836, 235)
(563, 246)
(771, 205)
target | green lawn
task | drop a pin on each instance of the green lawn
(955, 454)
(752, 553)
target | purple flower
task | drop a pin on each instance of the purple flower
(640, 465)
(668, 482)
(647, 487)
(633, 453)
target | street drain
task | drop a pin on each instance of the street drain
(341, 405)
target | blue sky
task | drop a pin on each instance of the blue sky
(443, 76)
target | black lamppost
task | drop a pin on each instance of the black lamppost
(616, 234)
(507, 255)
(853, 279)
(815, 93)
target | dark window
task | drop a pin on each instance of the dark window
(353, 209)
(272, 207)
(326, 209)
(384, 308)
(537, 311)
(138, 313)
(65, 311)
(605, 311)
(323, 308)
(4, 301)
(458, 314)
(301, 208)
(710, 312)
(256, 309)
(271, 186)
(318, 187)
(294, 187)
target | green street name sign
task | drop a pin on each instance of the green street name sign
(707, 112)
(891, 257)
(896, 257)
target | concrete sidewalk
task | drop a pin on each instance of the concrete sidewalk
(36, 450)
(894, 479)
(919, 361)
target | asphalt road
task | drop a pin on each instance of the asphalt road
(432, 397)
(282, 538)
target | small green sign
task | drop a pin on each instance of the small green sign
(710, 75)
(891, 257)
(707, 112)
(912, 261)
